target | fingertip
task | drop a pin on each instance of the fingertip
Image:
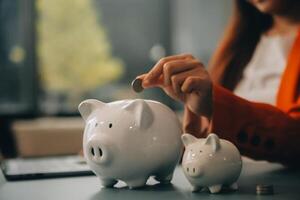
(185, 89)
(182, 90)
(145, 83)
(149, 77)
(142, 76)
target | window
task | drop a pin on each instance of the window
(94, 49)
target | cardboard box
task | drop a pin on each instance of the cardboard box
(48, 136)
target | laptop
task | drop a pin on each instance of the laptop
(45, 167)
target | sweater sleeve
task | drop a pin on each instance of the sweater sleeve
(259, 130)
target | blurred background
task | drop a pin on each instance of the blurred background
(54, 54)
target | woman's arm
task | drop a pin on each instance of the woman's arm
(259, 130)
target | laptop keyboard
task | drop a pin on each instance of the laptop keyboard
(45, 165)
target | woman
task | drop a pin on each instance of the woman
(254, 86)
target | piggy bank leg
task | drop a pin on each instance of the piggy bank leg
(108, 183)
(215, 188)
(137, 183)
(164, 178)
(196, 188)
(234, 186)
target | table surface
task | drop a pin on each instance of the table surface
(286, 184)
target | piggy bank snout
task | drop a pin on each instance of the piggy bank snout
(193, 169)
(98, 152)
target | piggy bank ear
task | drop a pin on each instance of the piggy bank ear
(213, 140)
(143, 114)
(188, 139)
(88, 106)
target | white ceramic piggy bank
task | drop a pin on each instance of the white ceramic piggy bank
(130, 140)
(210, 162)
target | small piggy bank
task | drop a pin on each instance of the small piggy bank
(130, 140)
(210, 162)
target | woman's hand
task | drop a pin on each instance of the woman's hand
(184, 79)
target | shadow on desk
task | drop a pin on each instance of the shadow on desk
(157, 191)
(285, 182)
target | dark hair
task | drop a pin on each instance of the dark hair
(238, 44)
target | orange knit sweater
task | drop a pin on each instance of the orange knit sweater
(259, 130)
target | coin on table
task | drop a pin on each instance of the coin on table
(264, 189)
(137, 85)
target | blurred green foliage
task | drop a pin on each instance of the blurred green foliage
(73, 49)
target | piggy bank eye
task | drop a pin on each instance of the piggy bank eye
(96, 124)
(200, 151)
(110, 125)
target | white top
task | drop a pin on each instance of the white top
(262, 75)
